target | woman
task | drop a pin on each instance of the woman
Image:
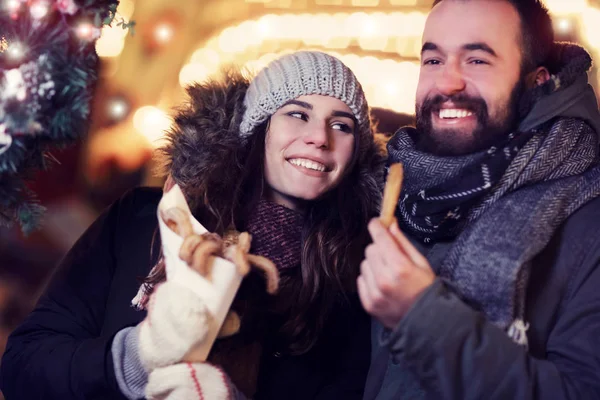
(288, 157)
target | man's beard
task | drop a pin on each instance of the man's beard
(454, 142)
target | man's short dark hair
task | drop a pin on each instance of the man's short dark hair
(536, 31)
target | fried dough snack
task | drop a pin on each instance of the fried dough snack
(196, 250)
(391, 193)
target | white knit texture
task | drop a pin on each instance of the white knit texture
(177, 321)
(298, 74)
(186, 381)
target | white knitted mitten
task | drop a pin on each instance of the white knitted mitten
(177, 321)
(189, 381)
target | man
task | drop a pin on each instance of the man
(496, 292)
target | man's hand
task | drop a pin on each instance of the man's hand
(393, 274)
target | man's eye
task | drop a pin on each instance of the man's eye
(299, 115)
(431, 62)
(478, 62)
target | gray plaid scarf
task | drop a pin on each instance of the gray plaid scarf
(552, 174)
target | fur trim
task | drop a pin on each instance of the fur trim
(205, 137)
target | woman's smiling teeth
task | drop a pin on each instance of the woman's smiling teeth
(308, 164)
(454, 113)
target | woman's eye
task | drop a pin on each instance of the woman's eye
(342, 127)
(298, 114)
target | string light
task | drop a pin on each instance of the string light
(39, 9)
(398, 33)
(117, 108)
(15, 51)
(12, 6)
(163, 33)
(84, 29)
(87, 31)
(244, 43)
(564, 25)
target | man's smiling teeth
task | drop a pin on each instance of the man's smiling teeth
(454, 113)
(309, 164)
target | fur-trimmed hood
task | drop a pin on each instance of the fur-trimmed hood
(204, 140)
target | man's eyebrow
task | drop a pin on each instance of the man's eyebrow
(302, 104)
(480, 46)
(428, 46)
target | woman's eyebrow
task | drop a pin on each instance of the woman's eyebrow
(343, 114)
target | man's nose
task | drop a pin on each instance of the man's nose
(450, 80)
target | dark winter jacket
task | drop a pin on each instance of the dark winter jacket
(63, 349)
(455, 353)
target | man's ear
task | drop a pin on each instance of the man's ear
(538, 77)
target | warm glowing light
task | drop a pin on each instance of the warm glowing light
(151, 122)
(264, 25)
(126, 8)
(12, 5)
(365, 3)
(590, 27)
(209, 57)
(196, 72)
(39, 9)
(109, 48)
(163, 33)
(87, 31)
(111, 41)
(84, 29)
(403, 2)
(117, 108)
(386, 83)
(566, 7)
(15, 51)
(112, 38)
(229, 42)
(564, 25)
(255, 43)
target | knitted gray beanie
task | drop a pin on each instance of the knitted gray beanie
(298, 74)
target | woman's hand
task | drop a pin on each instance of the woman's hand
(177, 321)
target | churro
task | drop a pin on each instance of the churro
(391, 193)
